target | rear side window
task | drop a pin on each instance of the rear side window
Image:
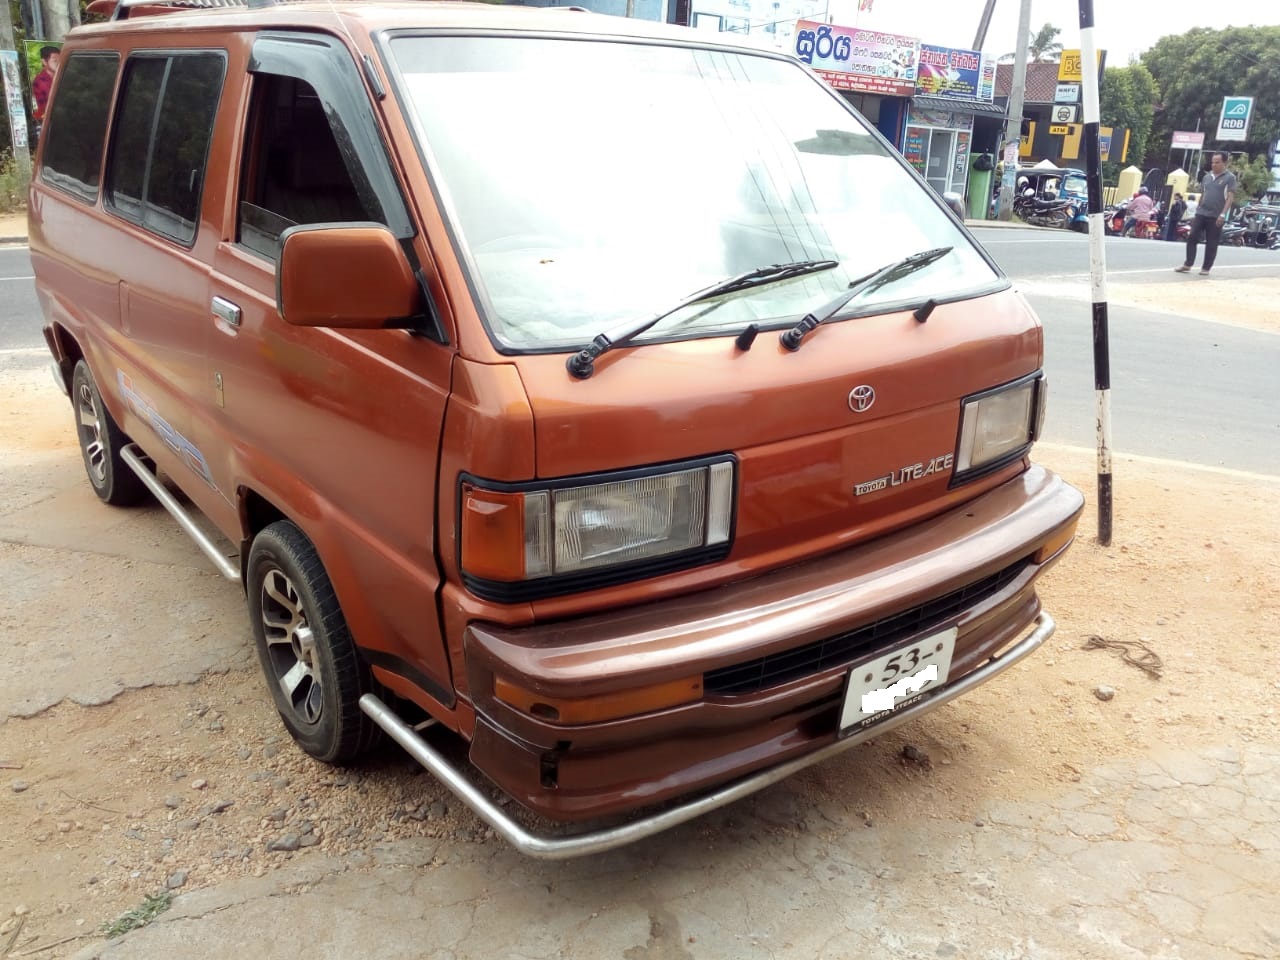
(77, 125)
(160, 150)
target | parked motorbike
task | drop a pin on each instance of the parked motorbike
(1113, 218)
(1232, 235)
(1044, 213)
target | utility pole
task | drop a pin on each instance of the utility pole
(12, 89)
(1013, 127)
(981, 37)
(58, 17)
(1089, 75)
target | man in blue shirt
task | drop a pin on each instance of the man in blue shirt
(1218, 190)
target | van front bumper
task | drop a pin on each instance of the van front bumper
(973, 568)
(549, 846)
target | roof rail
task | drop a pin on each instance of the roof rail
(119, 9)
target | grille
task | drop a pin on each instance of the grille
(845, 648)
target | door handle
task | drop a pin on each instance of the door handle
(226, 310)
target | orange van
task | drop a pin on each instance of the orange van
(606, 393)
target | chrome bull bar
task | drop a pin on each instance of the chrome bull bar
(597, 841)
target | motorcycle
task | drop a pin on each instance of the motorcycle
(1114, 217)
(1065, 188)
(1044, 213)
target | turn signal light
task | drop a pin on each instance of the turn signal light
(608, 706)
(1055, 543)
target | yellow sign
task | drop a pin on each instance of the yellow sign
(1071, 141)
(1060, 130)
(1070, 66)
(1024, 147)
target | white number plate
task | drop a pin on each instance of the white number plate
(878, 687)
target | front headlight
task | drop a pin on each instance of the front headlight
(998, 426)
(521, 542)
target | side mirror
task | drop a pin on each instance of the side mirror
(344, 275)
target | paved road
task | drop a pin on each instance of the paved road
(1182, 388)
(19, 312)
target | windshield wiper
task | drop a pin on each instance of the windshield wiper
(582, 363)
(872, 281)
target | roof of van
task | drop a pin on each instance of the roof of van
(178, 15)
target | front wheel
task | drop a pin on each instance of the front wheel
(310, 661)
(100, 444)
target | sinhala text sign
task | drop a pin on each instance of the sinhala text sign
(954, 73)
(853, 59)
(1234, 122)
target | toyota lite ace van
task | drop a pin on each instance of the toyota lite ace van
(609, 395)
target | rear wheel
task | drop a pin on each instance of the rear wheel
(311, 664)
(100, 444)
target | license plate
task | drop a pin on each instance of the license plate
(878, 687)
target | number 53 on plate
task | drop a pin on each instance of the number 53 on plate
(878, 687)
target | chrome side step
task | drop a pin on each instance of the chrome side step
(132, 455)
(577, 845)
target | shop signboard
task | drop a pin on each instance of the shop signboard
(953, 73)
(961, 170)
(1188, 140)
(11, 87)
(1067, 93)
(1234, 122)
(1071, 65)
(852, 59)
(913, 148)
(987, 85)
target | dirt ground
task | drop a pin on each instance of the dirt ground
(176, 787)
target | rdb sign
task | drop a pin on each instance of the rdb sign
(1234, 122)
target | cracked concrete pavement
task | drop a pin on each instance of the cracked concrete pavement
(1193, 873)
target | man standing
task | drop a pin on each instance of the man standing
(1176, 212)
(42, 82)
(1218, 190)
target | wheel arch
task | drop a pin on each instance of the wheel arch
(256, 513)
(66, 351)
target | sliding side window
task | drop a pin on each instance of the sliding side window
(160, 148)
(77, 126)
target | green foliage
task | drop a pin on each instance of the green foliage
(13, 184)
(1197, 69)
(1043, 46)
(1129, 98)
(1253, 177)
(150, 908)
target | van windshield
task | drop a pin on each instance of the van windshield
(592, 182)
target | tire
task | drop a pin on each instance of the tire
(100, 444)
(311, 664)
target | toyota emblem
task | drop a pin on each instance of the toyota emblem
(861, 398)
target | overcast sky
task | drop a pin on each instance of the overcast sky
(1121, 27)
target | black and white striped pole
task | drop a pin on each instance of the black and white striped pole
(1097, 268)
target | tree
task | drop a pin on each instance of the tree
(1129, 98)
(1197, 69)
(1041, 46)
(1253, 177)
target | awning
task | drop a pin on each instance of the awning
(980, 108)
